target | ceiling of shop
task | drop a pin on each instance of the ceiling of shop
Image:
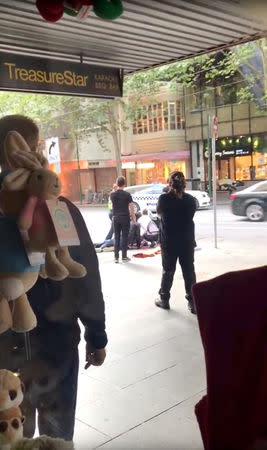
(149, 32)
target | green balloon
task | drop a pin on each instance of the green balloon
(109, 10)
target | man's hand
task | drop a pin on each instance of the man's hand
(94, 356)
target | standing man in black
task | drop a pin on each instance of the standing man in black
(177, 239)
(123, 209)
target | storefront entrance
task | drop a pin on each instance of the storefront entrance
(243, 158)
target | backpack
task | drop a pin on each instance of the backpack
(152, 228)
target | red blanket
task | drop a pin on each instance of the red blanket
(232, 315)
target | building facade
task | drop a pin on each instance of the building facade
(83, 165)
(241, 147)
(151, 147)
(154, 144)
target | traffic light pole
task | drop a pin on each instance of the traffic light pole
(214, 190)
(209, 158)
(79, 170)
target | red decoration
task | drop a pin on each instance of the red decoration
(52, 10)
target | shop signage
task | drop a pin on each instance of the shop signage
(232, 152)
(100, 164)
(52, 150)
(30, 74)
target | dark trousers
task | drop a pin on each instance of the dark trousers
(169, 261)
(151, 237)
(56, 407)
(134, 234)
(111, 230)
(121, 231)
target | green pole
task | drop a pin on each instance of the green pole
(79, 170)
(209, 158)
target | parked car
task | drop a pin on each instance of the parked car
(148, 198)
(251, 202)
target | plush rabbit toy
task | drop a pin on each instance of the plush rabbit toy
(23, 198)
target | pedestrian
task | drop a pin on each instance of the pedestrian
(134, 238)
(110, 215)
(123, 210)
(47, 359)
(149, 230)
(177, 237)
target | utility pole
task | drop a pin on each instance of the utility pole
(209, 158)
(79, 170)
(214, 177)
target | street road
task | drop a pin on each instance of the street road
(231, 229)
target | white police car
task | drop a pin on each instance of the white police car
(148, 198)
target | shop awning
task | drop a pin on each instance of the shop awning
(162, 156)
(149, 33)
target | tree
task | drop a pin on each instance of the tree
(79, 116)
(243, 66)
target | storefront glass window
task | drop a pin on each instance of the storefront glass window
(159, 172)
(243, 164)
(166, 123)
(179, 116)
(260, 165)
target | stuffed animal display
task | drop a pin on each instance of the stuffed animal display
(23, 196)
(52, 10)
(42, 443)
(11, 419)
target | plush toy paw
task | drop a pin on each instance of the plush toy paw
(56, 272)
(54, 268)
(75, 269)
(6, 321)
(43, 273)
(24, 318)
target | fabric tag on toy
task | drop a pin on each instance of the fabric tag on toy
(63, 223)
(35, 258)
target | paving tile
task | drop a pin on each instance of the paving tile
(178, 383)
(122, 410)
(86, 438)
(176, 429)
(147, 362)
(91, 390)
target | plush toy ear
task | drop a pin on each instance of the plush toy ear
(18, 154)
(43, 161)
(16, 180)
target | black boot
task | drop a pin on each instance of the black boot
(191, 304)
(164, 304)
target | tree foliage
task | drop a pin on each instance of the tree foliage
(211, 70)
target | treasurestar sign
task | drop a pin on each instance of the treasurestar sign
(31, 74)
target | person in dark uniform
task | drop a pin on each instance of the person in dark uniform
(123, 210)
(177, 237)
(47, 358)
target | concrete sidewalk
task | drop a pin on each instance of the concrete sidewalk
(144, 395)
